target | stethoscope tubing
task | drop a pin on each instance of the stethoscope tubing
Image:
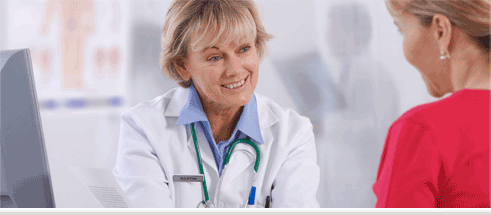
(248, 141)
(201, 171)
(207, 202)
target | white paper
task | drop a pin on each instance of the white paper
(103, 186)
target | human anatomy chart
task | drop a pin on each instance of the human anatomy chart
(79, 49)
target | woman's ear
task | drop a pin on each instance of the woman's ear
(443, 33)
(180, 66)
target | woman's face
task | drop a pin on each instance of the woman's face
(421, 50)
(225, 75)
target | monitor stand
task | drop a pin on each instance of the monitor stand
(5, 200)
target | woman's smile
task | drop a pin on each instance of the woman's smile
(235, 85)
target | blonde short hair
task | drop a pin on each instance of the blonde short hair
(197, 24)
(472, 16)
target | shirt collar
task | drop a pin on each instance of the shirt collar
(192, 110)
(248, 122)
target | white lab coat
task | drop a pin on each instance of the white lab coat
(153, 149)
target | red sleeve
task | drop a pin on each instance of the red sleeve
(408, 170)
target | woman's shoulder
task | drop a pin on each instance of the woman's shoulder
(267, 107)
(155, 106)
(284, 127)
(443, 111)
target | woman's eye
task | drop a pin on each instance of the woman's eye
(245, 49)
(214, 58)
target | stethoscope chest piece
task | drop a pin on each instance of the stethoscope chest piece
(205, 204)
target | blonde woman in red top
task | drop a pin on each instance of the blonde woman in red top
(437, 154)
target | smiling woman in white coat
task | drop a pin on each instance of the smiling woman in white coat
(213, 142)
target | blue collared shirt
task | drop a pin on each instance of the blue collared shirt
(248, 125)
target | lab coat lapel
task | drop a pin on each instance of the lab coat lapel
(174, 109)
(207, 157)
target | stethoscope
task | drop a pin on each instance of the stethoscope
(206, 203)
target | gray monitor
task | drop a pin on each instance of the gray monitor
(25, 178)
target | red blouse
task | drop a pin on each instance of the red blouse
(437, 155)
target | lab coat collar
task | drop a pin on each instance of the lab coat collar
(177, 102)
(267, 118)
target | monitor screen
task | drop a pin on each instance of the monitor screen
(25, 178)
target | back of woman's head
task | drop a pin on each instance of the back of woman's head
(472, 16)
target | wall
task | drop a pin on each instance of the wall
(359, 88)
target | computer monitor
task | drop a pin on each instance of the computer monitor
(25, 178)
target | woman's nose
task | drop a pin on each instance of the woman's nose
(234, 65)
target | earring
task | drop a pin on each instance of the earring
(444, 56)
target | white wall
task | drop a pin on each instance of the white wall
(3, 42)
(90, 137)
